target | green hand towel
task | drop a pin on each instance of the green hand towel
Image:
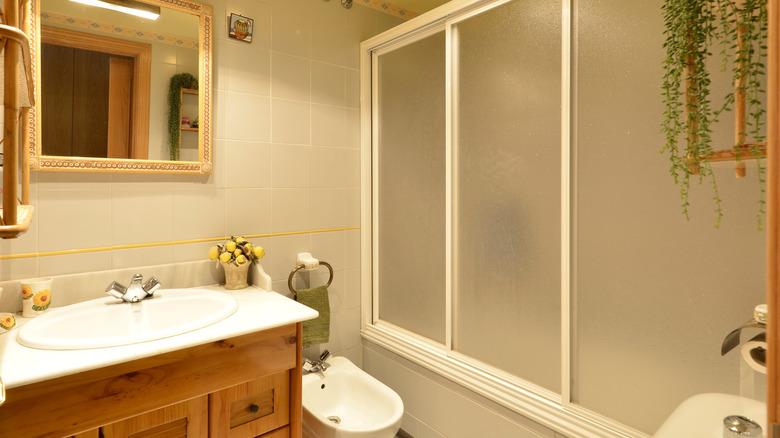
(316, 331)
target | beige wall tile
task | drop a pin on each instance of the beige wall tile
(12, 270)
(247, 117)
(247, 164)
(141, 257)
(290, 76)
(70, 219)
(328, 84)
(352, 249)
(198, 213)
(250, 68)
(72, 263)
(352, 88)
(333, 167)
(352, 128)
(352, 288)
(248, 211)
(329, 247)
(290, 121)
(138, 215)
(328, 125)
(291, 27)
(328, 208)
(290, 210)
(290, 165)
(281, 254)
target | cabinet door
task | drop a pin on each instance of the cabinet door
(187, 419)
(251, 409)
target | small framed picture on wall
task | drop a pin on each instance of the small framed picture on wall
(240, 28)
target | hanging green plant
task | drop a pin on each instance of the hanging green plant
(178, 81)
(743, 34)
(686, 93)
(692, 27)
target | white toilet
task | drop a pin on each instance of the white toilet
(346, 402)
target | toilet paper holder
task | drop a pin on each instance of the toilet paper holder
(754, 349)
(732, 340)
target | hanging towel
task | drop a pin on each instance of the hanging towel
(316, 331)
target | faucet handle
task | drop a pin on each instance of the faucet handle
(324, 356)
(116, 290)
(151, 286)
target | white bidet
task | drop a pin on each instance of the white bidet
(346, 402)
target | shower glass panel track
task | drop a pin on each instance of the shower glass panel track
(520, 235)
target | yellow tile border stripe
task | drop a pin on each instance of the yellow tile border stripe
(166, 243)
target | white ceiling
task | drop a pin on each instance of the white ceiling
(418, 5)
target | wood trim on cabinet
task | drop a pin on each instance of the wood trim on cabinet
(773, 216)
(296, 386)
(142, 75)
(84, 401)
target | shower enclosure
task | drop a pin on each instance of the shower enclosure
(524, 236)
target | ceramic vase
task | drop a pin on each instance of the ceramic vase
(236, 275)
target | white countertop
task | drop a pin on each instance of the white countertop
(258, 310)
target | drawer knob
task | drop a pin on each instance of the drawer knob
(254, 408)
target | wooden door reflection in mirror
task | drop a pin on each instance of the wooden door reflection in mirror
(95, 94)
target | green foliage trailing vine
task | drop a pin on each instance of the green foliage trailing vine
(178, 81)
(692, 27)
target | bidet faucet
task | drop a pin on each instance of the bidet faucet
(137, 291)
(317, 366)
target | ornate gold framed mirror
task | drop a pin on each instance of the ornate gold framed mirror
(121, 86)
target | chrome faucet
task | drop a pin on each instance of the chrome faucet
(317, 366)
(137, 291)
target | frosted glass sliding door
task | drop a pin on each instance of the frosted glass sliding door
(411, 187)
(507, 211)
(654, 294)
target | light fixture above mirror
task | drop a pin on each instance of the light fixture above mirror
(132, 7)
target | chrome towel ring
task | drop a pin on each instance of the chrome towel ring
(298, 268)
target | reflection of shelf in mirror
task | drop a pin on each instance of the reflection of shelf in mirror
(189, 129)
(740, 152)
(189, 91)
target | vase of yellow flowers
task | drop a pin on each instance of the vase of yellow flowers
(235, 256)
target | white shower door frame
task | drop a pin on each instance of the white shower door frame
(556, 411)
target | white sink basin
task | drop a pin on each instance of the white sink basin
(701, 416)
(107, 322)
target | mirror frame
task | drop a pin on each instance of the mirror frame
(53, 163)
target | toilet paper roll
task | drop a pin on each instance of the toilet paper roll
(754, 353)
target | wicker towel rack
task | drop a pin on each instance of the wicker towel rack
(15, 218)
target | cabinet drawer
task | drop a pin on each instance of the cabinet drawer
(284, 432)
(251, 409)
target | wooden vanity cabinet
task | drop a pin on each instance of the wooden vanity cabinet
(243, 387)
